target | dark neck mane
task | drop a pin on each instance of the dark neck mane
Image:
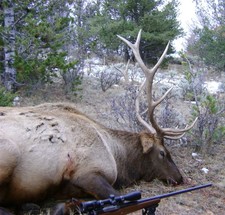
(129, 170)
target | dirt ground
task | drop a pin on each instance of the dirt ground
(208, 201)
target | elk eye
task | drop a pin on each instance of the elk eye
(162, 154)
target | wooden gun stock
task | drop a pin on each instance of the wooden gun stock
(130, 208)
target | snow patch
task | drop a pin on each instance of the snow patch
(205, 170)
(213, 86)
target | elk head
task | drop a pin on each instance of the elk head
(153, 141)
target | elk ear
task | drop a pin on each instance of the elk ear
(147, 143)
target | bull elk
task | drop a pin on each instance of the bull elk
(55, 151)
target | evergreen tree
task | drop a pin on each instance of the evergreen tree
(208, 41)
(42, 30)
(156, 17)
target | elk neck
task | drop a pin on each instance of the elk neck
(129, 157)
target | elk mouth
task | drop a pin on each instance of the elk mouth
(171, 181)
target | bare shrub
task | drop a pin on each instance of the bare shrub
(193, 85)
(208, 108)
(109, 77)
(169, 116)
(210, 129)
(72, 80)
(72, 75)
(123, 109)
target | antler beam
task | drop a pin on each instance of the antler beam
(148, 84)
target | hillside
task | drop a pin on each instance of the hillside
(96, 103)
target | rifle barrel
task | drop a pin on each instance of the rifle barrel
(179, 192)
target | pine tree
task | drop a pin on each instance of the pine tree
(157, 19)
(208, 41)
(41, 30)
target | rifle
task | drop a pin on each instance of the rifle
(119, 205)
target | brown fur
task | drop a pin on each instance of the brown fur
(53, 150)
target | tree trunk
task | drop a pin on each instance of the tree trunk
(1, 42)
(9, 74)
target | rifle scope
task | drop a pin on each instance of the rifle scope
(112, 200)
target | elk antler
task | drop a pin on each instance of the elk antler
(125, 72)
(148, 83)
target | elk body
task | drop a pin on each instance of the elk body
(55, 151)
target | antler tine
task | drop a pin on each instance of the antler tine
(154, 69)
(163, 97)
(135, 49)
(170, 133)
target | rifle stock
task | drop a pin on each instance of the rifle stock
(130, 208)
